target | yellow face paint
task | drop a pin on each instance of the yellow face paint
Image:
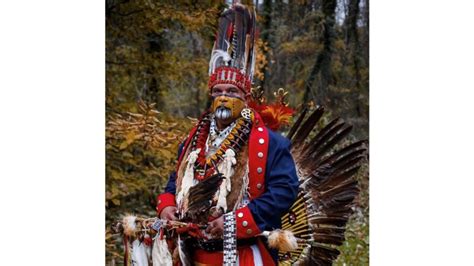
(234, 104)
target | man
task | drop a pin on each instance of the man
(234, 175)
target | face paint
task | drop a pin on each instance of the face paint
(225, 107)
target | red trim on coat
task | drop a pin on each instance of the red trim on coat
(257, 178)
(267, 258)
(164, 200)
(246, 225)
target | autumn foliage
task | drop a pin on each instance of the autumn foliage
(157, 58)
(141, 151)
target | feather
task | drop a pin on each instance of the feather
(239, 36)
(200, 196)
(321, 255)
(225, 30)
(236, 38)
(328, 188)
(184, 252)
(297, 123)
(356, 146)
(216, 55)
(314, 150)
(306, 128)
(334, 239)
(333, 140)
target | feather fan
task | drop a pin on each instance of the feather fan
(327, 189)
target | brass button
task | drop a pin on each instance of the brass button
(260, 129)
(249, 231)
(261, 141)
(245, 223)
(259, 170)
(260, 155)
(240, 215)
(259, 186)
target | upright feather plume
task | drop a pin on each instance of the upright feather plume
(233, 54)
(218, 56)
(237, 26)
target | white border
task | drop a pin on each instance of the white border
(52, 134)
(421, 133)
(52, 154)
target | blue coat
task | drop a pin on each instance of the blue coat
(281, 186)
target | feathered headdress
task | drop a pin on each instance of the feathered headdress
(233, 54)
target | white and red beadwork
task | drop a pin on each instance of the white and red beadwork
(230, 75)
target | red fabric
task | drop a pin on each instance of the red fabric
(202, 257)
(208, 258)
(246, 226)
(266, 257)
(216, 258)
(257, 180)
(164, 200)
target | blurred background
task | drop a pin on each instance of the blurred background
(157, 55)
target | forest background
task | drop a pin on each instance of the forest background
(157, 55)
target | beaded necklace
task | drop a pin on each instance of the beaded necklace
(216, 136)
(237, 138)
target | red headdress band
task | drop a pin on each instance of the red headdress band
(229, 75)
(233, 55)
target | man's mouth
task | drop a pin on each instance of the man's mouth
(223, 113)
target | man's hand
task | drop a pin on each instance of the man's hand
(216, 227)
(169, 213)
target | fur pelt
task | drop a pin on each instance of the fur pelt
(283, 240)
(129, 225)
(240, 171)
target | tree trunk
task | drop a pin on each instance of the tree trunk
(266, 36)
(353, 43)
(322, 64)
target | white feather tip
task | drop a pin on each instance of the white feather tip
(218, 54)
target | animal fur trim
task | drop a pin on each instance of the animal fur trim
(188, 180)
(226, 168)
(129, 226)
(283, 240)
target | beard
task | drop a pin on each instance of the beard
(223, 113)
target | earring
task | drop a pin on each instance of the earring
(246, 113)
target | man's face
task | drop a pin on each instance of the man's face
(227, 101)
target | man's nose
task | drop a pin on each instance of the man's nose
(223, 98)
